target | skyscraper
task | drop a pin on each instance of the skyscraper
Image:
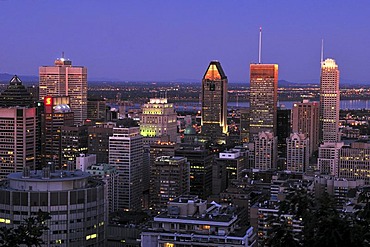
(15, 94)
(297, 152)
(63, 79)
(263, 98)
(158, 119)
(305, 119)
(214, 101)
(329, 101)
(18, 139)
(126, 155)
(265, 151)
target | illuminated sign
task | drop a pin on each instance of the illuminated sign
(48, 100)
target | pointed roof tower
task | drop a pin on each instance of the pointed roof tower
(214, 72)
(16, 94)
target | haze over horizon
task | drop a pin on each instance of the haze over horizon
(170, 40)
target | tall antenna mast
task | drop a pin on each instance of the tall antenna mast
(62, 54)
(322, 50)
(260, 46)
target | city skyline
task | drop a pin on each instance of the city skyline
(169, 41)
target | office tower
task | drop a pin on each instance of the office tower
(74, 141)
(265, 151)
(201, 161)
(126, 155)
(263, 99)
(283, 130)
(76, 203)
(305, 120)
(63, 79)
(16, 94)
(109, 175)
(57, 113)
(328, 158)
(297, 152)
(354, 162)
(214, 102)
(329, 101)
(158, 119)
(18, 139)
(190, 221)
(98, 141)
(170, 179)
(96, 109)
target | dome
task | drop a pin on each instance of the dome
(190, 131)
(62, 108)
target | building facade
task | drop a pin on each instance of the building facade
(305, 120)
(329, 101)
(158, 118)
(263, 99)
(170, 178)
(214, 101)
(297, 152)
(18, 128)
(126, 155)
(265, 151)
(75, 201)
(63, 79)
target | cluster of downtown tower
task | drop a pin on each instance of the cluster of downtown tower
(151, 166)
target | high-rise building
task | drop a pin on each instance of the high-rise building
(305, 120)
(57, 113)
(63, 79)
(18, 139)
(16, 94)
(354, 162)
(98, 141)
(158, 119)
(126, 155)
(201, 161)
(263, 99)
(170, 178)
(73, 143)
(329, 101)
(297, 152)
(283, 130)
(265, 151)
(76, 203)
(96, 109)
(214, 102)
(328, 158)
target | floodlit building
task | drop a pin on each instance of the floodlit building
(158, 119)
(263, 99)
(329, 101)
(63, 79)
(214, 102)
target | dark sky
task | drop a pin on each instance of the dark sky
(161, 40)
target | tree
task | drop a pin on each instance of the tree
(28, 232)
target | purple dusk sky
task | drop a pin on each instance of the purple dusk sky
(170, 40)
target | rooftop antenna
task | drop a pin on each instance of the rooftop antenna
(260, 46)
(322, 50)
(62, 54)
(165, 95)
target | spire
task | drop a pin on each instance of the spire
(322, 51)
(260, 46)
